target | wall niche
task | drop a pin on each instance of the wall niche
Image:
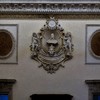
(8, 43)
(95, 44)
(92, 44)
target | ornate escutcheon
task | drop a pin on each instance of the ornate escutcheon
(51, 46)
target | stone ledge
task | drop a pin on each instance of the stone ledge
(92, 81)
(10, 81)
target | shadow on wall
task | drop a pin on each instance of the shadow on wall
(51, 96)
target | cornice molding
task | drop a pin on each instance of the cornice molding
(47, 7)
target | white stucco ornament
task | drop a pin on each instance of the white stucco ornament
(51, 46)
(51, 24)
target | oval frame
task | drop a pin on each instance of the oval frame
(13, 44)
(90, 48)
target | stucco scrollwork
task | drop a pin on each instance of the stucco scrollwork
(51, 46)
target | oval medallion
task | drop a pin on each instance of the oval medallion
(6, 43)
(95, 44)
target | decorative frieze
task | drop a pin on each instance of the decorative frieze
(48, 8)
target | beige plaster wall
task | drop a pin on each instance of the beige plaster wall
(33, 80)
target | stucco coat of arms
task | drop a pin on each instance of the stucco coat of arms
(51, 46)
